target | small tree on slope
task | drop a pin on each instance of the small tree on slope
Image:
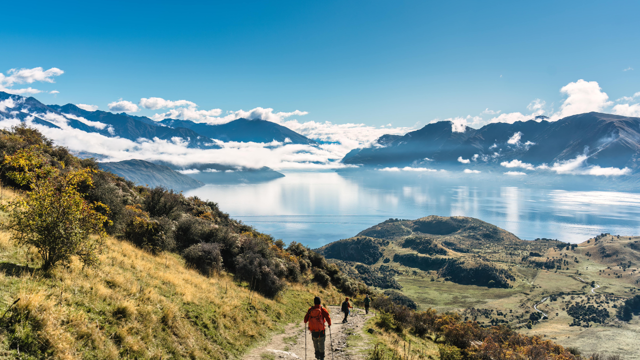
(53, 217)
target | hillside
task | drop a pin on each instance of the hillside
(145, 173)
(136, 305)
(488, 275)
(606, 140)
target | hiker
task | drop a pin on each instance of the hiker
(367, 301)
(345, 309)
(316, 316)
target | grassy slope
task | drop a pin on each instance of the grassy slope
(135, 305)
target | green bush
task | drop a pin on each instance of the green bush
(204, 257)
(260, 273)
(149, 234)
(385, 321)
(159, 202)
(321, 278)
(449, 352)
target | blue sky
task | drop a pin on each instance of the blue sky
(373, 62)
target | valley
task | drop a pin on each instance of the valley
(569, 293)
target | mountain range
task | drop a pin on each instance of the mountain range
(193, 134)
(602, 140)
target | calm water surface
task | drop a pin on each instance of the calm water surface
(321, 207)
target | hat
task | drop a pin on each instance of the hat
(316, 300)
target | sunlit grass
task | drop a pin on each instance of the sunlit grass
(136, 305)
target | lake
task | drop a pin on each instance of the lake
(316, 208)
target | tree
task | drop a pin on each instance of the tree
(53, 217)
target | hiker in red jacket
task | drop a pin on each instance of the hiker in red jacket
(316, 317)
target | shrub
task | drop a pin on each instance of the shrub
(449, 352)
(385, 321)
(259, 272)
(191, 231)
(54, 218)
(106, 192)
(204, 257)
(151, 235)
(293, 272)
(317, 260)
(159, 202)
(321, 278)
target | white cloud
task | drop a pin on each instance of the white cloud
(629, 98)
(510, 118)
(627, 110)
(27, 76)
(628, 69)
(193, 114)
(9, 103)
(515, 173)
(418, 169)
(408, 168)
(155, 103)
(517, 164)
(459, 124)
(464, 161)
(54, 92)
(515, 139)
(123, 106)
(23, 91)
(252, 155)
(95, 124)
(469, 171)
(87, 107)
(213, 116)
(490, 112)
(189, 171)
(583, 96)
(578, 166)
(536, 105)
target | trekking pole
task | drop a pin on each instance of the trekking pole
(305, 342)
(331, 341)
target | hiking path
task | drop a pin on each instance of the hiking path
(348, 340)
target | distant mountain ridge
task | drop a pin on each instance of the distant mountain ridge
(243, 130)
(606, 140)
(194, 135)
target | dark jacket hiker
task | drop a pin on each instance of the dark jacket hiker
(345, 309)
(316, 317)
(367, 302)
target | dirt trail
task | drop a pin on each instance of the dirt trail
(291, 344)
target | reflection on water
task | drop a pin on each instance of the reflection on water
(317, 208)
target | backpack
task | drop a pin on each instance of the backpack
(316, 320)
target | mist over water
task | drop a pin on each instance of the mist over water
(316, 208)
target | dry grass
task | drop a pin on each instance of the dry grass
(402, 345)
(135, 305)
